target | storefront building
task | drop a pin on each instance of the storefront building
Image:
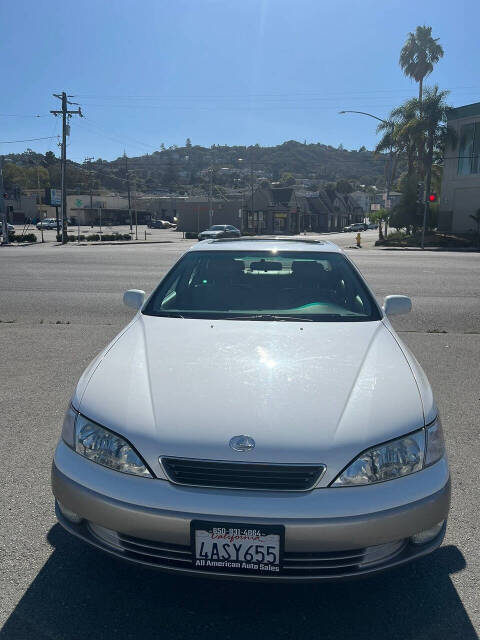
(460, 197)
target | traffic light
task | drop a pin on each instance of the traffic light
(432, 197)
(420, 192)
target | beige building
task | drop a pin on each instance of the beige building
(460, 196)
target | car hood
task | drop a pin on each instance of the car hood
(313, 392)
(210, 233)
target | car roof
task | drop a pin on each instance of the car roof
(266, 244)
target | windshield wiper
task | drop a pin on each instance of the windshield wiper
(168, 314)
(272, 317)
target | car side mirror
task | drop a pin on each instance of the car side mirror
(134, 298)
(396, 305)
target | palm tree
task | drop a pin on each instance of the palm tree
(402, 134)
(418, 55)
(433, 120)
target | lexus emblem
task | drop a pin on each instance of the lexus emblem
(242, 443)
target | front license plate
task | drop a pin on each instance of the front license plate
(237, 548)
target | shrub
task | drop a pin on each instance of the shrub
(191, 235)
(93, 237)
(396, 236)
(28, 237)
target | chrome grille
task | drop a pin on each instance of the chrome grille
(242, 475)
(175, 556)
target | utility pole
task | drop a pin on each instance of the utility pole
(3, 211)
(87, 161)
(210, 193)
(38, 200)
(251, 194)
(65, 131)
(135, 206)
(128, 191)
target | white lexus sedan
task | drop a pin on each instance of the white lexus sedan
(257, 419)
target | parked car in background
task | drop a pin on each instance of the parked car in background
(161, 224)
(317, 453)
(220, 231)
(373, 225)
(10, 227)
(356, 226)
(48, 223)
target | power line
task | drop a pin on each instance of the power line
(261, 95)
(27, 140)
(17, 115)
(99, 131)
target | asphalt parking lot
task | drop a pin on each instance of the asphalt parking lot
(58, 307)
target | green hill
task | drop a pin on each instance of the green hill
(187, 167)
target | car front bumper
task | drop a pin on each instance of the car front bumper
(329, 533)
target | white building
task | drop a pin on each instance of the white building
(460, 197)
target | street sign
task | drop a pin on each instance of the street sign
(56, 197)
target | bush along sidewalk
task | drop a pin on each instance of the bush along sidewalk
(27, 237)
(96, 237)
(432, 239)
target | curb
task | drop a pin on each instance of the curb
(438, 249)
(111, 243)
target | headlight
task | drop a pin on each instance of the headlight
(435, 442)
(106, 448)
(68, 429)
(396, 458)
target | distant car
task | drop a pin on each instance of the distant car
(356, 226)
(161, 224)
(372, 225)
(155, 224)
(220, 231)
(10, 227)
(48, 223)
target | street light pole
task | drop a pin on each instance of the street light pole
(389, 175)
(364, 113)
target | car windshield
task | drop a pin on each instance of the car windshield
(217, 227)
(264, 285)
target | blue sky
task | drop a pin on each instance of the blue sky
(219, 71)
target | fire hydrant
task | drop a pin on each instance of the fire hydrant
(358, 241)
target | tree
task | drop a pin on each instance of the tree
(170, 177)
(418, 55)
(362, 149)
(404, 214)
(406, 132)
(379, 216)
(50, 158)
(433, 120)
(287, 180)
(188, 143)
(344, 186)
(24, 177)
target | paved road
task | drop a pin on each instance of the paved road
(58, 307)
